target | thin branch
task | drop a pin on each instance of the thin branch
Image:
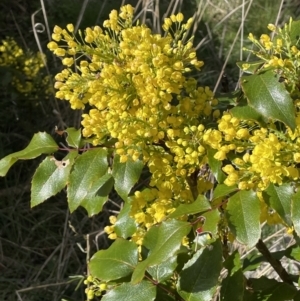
(275, 263)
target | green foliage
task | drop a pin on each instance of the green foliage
(217, 170)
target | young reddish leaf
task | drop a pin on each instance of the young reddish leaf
(169, 238)
(143, 291)
(198, 279)
(50, 178)
(269, 97)
(41, 143)
(118, 261)
(243, 213)
(88, 169)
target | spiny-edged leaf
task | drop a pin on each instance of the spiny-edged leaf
(246, 112)
(88, 168)
(252, 67)
(233, 284)
(118, 261)
(143, 291)
(223, 190)
(50, 178)
(294, 32)
(163, 271)
(215, 165)
(126, 175)
(243, 212)
(41, 143)
(199, 277)
(168, 241)
(280, 200)
(269, 97)
(200, 205)
(98, 194)
(125, 225)
(74, 137)
(296, 211)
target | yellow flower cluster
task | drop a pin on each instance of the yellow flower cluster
(259, 156)
(25, 67)
(281, 54)
(136, 86)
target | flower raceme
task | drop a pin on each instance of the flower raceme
(134, 86)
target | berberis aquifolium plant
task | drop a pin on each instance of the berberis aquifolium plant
(198, 174)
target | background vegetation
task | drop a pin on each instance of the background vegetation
(41, 247)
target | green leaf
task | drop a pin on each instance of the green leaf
(168, 241)
(223, 190)
(243, 211)
(280, 200)
(246, 112)
(118, 261)
(41, 143)
(74, 137)
(143, 291)
(88, 169)
(294, 32)
(215, 165)
(296, 211)
(98, 194)
(269, 97)
(199, 278)
(212, 219)
(233, 284)
(125, 225)
(126, 175)
(163, 271)
(50, 178)
(200, 205)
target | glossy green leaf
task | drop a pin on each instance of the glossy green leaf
(118, 261)
(200, 205)
(125, 225)
(223, 190)
(280, 198)
(163, 271)
(88, 169)
(199, 278)
(41, 143)
(50, 178)
(126, 175)
(74, 137)
(168, 241)
(98, 194)
(212, 219)
(233, 284)
(243, 211)
(269, 97)
(143, 291)
(215, 165)
(246, 112)
(296, 211)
